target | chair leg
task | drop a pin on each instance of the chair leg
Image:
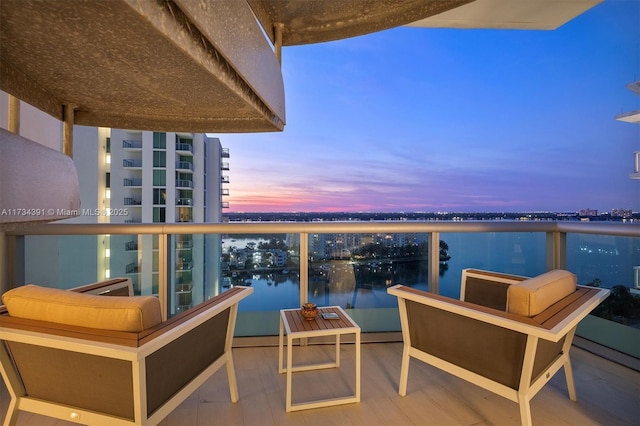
(404, 371)
(568, 371)
(231, 376)
(525, 410)
(12, 413)
(568, 374)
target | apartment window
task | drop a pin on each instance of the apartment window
(159, 215)
(159, 178)
(160, 140)
(107, 180)
(159, 159)
(159, 196)
(108, 146)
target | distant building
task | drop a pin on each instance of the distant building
(144, 177)
(633, 117)
(624, 213)
(588, 213)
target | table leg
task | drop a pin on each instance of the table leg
(280, 349)
(289, 372)
(358, 366)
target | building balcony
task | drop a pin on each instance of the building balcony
(184, 245)
(224, 179)
(184, 166)
(224, 153)
(184, 149)
(132, 163)
(131, 246)
(224, 204)
(132, 182)
(184, 202)
(183, 183)
(224, 191)
(224, 166)
(184, 266)
(132, 268)
(129, 145)
(128, 201)
(355, 285)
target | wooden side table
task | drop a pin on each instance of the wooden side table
(296, 327)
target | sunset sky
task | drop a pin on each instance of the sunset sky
(417, 119)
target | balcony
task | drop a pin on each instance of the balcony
(184, 266)
(184, 149)
(184, 166)
(132, 163)
(132, 182)
(129, 145)
(131, 246)
(128, 201)
(183, 183)
(184, 244)
(607, 394)
(132, 268)
(224, 179)
(224, 166)
(225, 153)
(224, 191)
(353, 283)
(184, 202)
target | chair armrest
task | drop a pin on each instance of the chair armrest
(464, 308)
(113, 287)
(552, 324)
(171, 328)
(198, 313)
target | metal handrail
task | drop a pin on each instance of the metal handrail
(606, 228)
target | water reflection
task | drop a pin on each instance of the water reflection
(362, 284)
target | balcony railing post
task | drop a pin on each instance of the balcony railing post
(164, 260)
(15, 261)
(304, 268)
(556, 250)
(434, 262)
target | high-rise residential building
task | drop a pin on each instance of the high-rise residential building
(633, 117)
(134, 177)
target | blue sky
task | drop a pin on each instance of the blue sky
(418, 119)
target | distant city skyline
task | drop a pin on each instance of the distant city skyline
(419, 119)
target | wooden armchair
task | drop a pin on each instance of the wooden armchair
(110, 360)
(507, 334)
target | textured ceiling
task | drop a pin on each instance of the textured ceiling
(315, 21)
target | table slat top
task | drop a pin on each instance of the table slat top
(294, 322)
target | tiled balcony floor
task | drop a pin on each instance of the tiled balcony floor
(608, 394)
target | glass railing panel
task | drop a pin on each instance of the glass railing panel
(267, 262)
(67, 261)
(611, 262)
(63, 261)
(518, 253)
(353, 271)
(204, 265)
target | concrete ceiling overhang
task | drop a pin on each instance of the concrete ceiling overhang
(510, 14)
(202, 65)
(316, 21)
(143, 64)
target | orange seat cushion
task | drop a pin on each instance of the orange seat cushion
(120, 313)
